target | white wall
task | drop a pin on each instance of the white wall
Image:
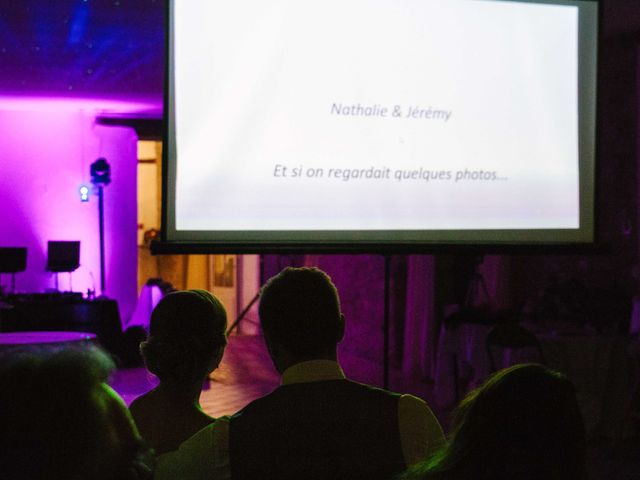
(45, 156)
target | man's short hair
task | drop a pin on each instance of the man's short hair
(300, 310)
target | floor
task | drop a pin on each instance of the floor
(246, 373)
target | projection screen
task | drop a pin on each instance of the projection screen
(380, 122)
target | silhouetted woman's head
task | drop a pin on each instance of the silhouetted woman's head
(523, 423)
(186, 338)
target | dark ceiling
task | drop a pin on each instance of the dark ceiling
(82, 48)
(114, 49)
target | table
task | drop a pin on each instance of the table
(16, 340)
(37, 313)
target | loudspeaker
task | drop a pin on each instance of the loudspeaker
(13, 259)
(63, 256)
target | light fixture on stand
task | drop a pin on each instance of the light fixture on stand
(100, 178)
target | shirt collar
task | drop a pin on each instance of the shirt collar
(312, 371)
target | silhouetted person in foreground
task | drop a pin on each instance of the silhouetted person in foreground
(59, 420)
(317, 424)
(186, 343)
(523, 423)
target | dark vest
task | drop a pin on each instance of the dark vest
(334, 429)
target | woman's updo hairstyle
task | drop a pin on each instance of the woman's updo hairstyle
(186, 333)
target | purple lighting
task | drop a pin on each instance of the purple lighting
(47, 146)
(151, 107)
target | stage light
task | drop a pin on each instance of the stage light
(100, 172)
(84, 193)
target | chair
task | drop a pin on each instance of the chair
(511, 337)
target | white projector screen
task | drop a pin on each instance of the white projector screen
(380, 122)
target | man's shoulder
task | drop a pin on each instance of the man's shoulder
(256, 404)
(412, 407)
(341, 393)
(412, 400)
(374, 390)
(336, 385)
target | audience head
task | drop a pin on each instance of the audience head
(59, 419)
(300, 316)
(523, 423)
(186, 337)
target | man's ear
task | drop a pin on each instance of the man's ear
(341, 331)
(216, 358)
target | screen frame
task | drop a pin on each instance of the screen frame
(582, 240)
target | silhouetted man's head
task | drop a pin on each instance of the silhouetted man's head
(300, 315)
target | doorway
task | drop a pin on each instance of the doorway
(234, 279)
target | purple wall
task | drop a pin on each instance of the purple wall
(46, 147)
